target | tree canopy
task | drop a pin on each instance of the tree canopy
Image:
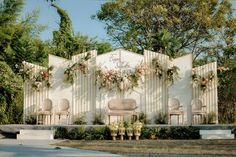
(66, 44)
(166, 26)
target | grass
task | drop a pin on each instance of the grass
(163, 148)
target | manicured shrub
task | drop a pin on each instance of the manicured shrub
(73, 134)
(103, 133)
(163, 133)
(143, 118)
(61, 133)
(80, 120)
(178, 132)
(98, 119)
(31, 120)
(80, 133)
(146, 133)
(161, 118)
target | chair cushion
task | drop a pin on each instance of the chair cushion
(62, 113)
(44, 112)
(122, 104)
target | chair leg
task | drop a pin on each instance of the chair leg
(59, 116)
(37, 119)
(50, 119)
(170, 119)
(178, 119)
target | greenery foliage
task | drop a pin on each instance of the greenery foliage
(161, 118)
(80, 120)
(227, 95)
(82, 133)
(203, 82)
(143, 118)
(32, 120)
(169, 27)
(103, 133)
(80, 65)
(11, 96)
(210, 118)
(66, 44)
(98, 118)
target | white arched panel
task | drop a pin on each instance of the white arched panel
(208, 96)
(182, 88)
(33, 98)
(156, 88)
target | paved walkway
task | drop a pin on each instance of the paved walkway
(42, 148)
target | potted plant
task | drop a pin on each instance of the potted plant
(137, 129)
(129, 131)
(121, 130)
(114, 128)
(211, 118)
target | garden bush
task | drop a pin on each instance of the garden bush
(103, 133)
(62, 133)
(161, 118)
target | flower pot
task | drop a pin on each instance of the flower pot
(137, 133)
(121, 133)
(129, 133)
(114, 134)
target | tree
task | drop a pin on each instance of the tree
(11, 96)
(66, 44)
(9, 10)
(19, 39)
(166, 26)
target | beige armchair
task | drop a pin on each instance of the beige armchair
(175, 109)
(64, 106)
(198, 110)
(45, 110)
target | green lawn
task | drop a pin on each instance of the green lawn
(170, 148)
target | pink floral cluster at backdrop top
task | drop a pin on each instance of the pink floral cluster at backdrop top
(121, 80)
(125, 80)
(203, 82)
(171, 73)
(71, 70)
(37, 78)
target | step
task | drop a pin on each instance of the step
(40, 132)
(35, 135)
(217, 132)
(217, 136)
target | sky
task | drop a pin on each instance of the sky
(80, 12)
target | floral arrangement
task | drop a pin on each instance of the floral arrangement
(81, 65)
(203, 82)
(172, 73)
(120, 80)
(38, 79)
(113, 126)
(158, 69)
